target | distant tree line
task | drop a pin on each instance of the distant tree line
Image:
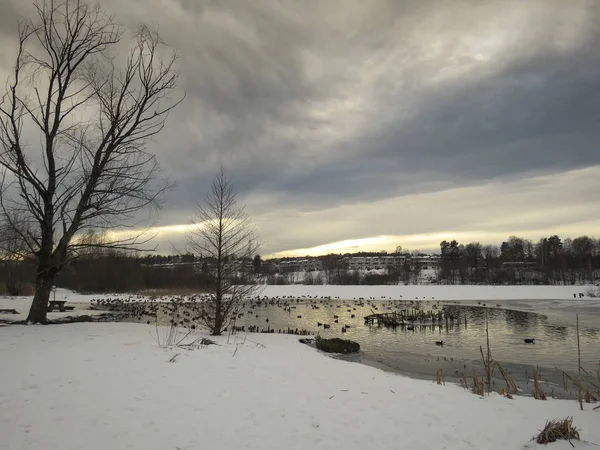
(551, 260)
(107, 271)
(120, 272)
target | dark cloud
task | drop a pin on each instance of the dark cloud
(318, 105)
(531, 107)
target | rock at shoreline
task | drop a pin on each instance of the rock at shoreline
(337, 345)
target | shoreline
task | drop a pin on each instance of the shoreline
(550, 382)
(420, 366)
(412, 367)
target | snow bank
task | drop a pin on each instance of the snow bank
(107, 385)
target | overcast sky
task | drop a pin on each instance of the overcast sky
(362, 125)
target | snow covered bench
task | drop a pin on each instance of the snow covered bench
(60, 304)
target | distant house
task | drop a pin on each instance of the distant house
(373, 262)
(300, 265)
(358, 263)
(425, 262)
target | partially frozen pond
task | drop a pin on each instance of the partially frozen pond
(415, 351)
(555, 347)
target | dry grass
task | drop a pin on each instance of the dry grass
(440, 377)
(558, 430)
(478, 385)
(464, 382)
(490, 365)
(587, 395)
(538, 392)
(503, 393)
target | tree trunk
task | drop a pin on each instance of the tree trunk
(218, 316)
(39, 306)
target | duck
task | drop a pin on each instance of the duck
(439, 343)
(529, 340)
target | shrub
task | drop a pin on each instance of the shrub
(556, 430)
(593, 292)
(337, 345)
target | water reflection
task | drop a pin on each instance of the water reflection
(555, 346)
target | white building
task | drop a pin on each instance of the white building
(361, 263)
(425, 262)
(300, 265)
(373, 262)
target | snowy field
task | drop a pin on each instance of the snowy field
(108, 385)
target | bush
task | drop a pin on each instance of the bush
(558, 429)
(593, 292)
(16, 289)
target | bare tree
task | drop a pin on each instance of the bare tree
(93, 119)
(223, 235)
(15, 261)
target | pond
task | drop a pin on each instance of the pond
(414, 351)
(555, 346)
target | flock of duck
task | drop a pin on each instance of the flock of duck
(189, 310)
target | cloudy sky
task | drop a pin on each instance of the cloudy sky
(362, 125)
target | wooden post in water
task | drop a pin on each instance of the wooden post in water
(579, 364)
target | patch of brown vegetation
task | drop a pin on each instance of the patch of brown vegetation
(558, 429)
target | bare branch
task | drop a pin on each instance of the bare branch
(223, 235)
(92, 169)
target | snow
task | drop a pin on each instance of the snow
(108, 385)
(81, 302)
(427, 292)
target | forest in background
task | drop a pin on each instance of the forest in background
(549, 261)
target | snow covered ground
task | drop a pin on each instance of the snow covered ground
(81, 302)
(108, 385)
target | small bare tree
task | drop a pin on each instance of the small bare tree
(14, 259)
(93, 119)
(222, 235)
